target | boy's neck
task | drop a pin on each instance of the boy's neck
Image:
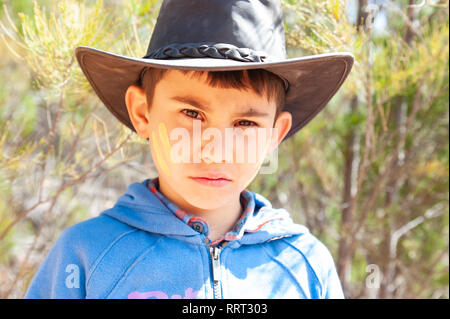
(220, 220)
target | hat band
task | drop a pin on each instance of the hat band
(207, 50)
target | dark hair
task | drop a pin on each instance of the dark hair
(260, 81)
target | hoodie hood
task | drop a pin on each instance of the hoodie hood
(140, 208)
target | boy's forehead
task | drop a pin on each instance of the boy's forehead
(190, 81)
(192, 88)
(184, 87)
(176, 82)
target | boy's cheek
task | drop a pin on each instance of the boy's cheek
(160, 147)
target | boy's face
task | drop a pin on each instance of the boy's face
(183, 110)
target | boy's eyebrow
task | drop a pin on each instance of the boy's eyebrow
(201, 105)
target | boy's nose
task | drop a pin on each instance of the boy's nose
(215, 148)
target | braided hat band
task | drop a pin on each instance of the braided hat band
(210, 50)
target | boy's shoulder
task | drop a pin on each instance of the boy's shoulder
(98, 229)
(314, 252)
(88, 240)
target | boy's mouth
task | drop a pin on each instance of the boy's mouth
(213, 176)
(216, 180)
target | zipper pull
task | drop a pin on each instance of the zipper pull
(215, 251)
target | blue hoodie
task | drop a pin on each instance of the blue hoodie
(141, 249)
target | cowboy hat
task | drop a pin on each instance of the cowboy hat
(218, 35)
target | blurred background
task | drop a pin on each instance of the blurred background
(369, 176)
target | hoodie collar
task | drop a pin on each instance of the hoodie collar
(199, 224)
(144, 207)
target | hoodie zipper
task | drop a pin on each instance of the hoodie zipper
(215, 262)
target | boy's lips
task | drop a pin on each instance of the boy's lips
(213, 176)
(212, 179)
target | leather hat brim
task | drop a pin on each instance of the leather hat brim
(313, 80)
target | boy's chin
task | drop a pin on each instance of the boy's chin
(208, 201)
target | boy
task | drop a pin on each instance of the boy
(196, 231)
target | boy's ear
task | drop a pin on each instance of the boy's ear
(136, 101)
(282, 126)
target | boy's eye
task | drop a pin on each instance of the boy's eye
(190, 113)
(193, 114)
(247, 123)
